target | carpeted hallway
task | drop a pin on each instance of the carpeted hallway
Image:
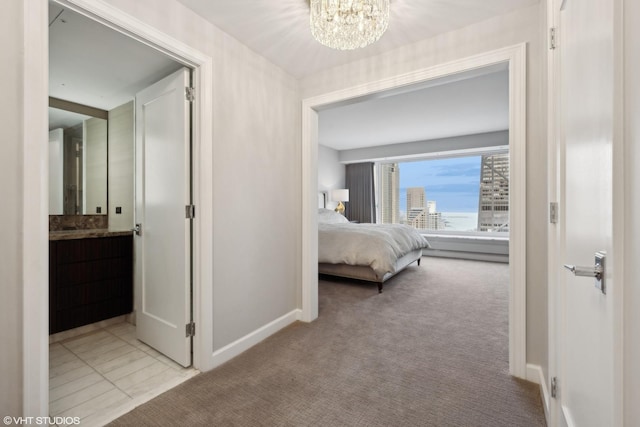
(432, 350)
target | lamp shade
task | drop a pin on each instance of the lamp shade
(340, 195)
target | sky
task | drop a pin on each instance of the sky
(453, 183)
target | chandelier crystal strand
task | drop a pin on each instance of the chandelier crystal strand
(348, 24)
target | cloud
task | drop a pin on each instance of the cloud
(453, 183)
(440, 171)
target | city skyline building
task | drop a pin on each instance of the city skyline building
(416, 204)
(389, 193)
(422, 214)
(422, 219)
(409, 205)
(416, 198)
(493, 203)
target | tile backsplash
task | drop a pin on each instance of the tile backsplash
(77, 222)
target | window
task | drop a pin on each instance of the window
(454, 194)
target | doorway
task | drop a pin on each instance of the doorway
(35, 325)
(447, 141)
(515, 57)
(105, 357)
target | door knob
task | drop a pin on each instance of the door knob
(138, 229)
(597, 271)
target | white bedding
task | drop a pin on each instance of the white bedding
(375, 245)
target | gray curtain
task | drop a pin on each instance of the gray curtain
(361, 204)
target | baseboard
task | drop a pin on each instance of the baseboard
(230, 351)
(568, 419)
(535, 375)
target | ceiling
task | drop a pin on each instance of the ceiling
(464, 104)
(93, 65)
(279, 29)
(467, 104)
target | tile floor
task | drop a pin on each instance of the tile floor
(103, 374)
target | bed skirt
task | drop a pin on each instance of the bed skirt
(362, 272)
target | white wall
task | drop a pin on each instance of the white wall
(11, 239)
(331, 173)
(513, 28)
(256, 187)
(121, 179)
(256, 174)
(632, 219)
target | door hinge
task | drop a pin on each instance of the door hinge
(553, 212)
(190, 93)
(190, 329)
(552, 38)
(554, 387)
(190, 211)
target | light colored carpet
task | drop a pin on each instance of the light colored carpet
(432, 350)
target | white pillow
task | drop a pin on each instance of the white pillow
(328, 216)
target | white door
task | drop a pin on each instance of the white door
(163, 189)
(586, 343)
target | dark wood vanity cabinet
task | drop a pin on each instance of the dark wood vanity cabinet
(90, 280)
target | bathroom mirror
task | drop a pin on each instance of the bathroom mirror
(78, 145)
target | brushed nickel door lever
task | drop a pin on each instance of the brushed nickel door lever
(597, 271)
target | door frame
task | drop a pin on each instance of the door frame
(35, 328)
(515, 56)
(554, 231)
(556, 275)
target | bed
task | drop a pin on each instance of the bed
(370, 252)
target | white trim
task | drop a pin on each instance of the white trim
(309, 212)
(567, 418)
(240, 345)
(35, 226)
(618, 214)
(518, 212)
(202, 162)
(516, 57)
(554, 193)
(535, 375)
(35, 212)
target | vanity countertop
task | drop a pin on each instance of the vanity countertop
(87, 234)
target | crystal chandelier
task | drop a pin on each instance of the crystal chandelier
(348, 24)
